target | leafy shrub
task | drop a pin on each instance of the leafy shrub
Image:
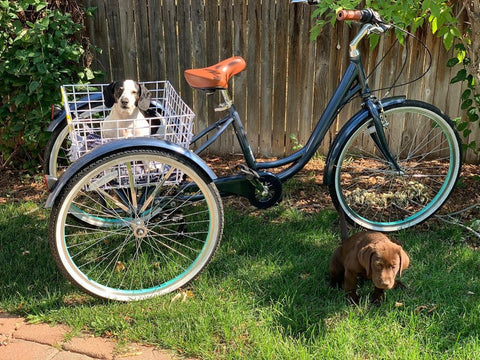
(40, 49)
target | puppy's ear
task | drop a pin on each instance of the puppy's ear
(108, 94)
(364, 257)
(144, 98)
(404, 261)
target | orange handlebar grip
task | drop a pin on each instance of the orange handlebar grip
(344, 15)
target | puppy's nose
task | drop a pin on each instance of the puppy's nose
(124, 101)
(384, 284)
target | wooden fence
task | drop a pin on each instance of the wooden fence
(288, 78)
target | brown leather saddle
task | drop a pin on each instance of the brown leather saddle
(215, 77)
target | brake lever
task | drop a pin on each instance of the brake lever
(310, 2)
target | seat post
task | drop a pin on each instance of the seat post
(227, 104)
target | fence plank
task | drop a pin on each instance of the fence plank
(185, 50)
(239, 48)
(198, 60)
(143, 42)
(157, 40)
(280, 78)
(253, 57)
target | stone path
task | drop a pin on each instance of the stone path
(20, 340)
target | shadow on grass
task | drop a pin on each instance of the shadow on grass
(281, 259)
(282, 262)
(29, 279)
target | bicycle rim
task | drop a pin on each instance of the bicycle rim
(148, 249)
(58, 153)
(58, 160)
(425, 145)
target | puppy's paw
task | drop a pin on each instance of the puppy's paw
(352, 298)
(378, 296)
(399, 285)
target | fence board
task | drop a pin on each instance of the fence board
(280, 78)
(288, 80)
(240, 82)
(157, 40)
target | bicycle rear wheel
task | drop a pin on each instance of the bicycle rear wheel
(425, 144)
(56, 154)
(152, 238)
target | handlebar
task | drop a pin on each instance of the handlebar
(366, 16)
(309, 2)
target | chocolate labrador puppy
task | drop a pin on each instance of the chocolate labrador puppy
(371, 255)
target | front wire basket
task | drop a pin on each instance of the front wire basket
(168, 118)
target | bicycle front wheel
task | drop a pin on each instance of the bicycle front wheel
(427, 148)
(157, 229)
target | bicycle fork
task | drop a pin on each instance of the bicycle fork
(378, 136)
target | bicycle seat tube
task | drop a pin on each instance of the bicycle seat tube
(238, 128)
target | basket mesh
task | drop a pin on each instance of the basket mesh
(168, 118)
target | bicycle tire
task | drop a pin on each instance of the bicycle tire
(56, 151)
(150, 249)
(427, 147)
(56, 155)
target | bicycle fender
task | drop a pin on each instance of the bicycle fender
(345, 131)
(57, 121)
(123, 144)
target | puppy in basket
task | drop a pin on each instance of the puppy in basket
(128, 100)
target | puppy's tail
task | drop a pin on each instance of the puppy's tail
(343, 225)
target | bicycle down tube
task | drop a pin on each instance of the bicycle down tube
(353, 82)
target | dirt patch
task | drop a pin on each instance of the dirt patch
(305, 191)
(18, 186)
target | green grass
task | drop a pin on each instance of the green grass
(265, 295)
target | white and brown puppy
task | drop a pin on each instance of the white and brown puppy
(371, 255)
(127, 99)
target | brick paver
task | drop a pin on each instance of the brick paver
(20, 340)
(21, 349)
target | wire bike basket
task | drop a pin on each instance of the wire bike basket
(168, 118)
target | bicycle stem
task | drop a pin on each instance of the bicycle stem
(366, 29)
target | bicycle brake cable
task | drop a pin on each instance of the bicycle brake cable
(394, 85)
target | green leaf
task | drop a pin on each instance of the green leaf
(34, 85)
(448, 40)
(466, 94)
(466, 104)
(472, 114)
(461, 76)
(452, 62)
(462, 126)
(314, 32)
(477, 99)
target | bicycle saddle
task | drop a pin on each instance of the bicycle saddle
(216, 76)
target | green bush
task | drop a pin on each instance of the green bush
(40, 49)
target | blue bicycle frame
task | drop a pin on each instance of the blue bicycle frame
(353, 82)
